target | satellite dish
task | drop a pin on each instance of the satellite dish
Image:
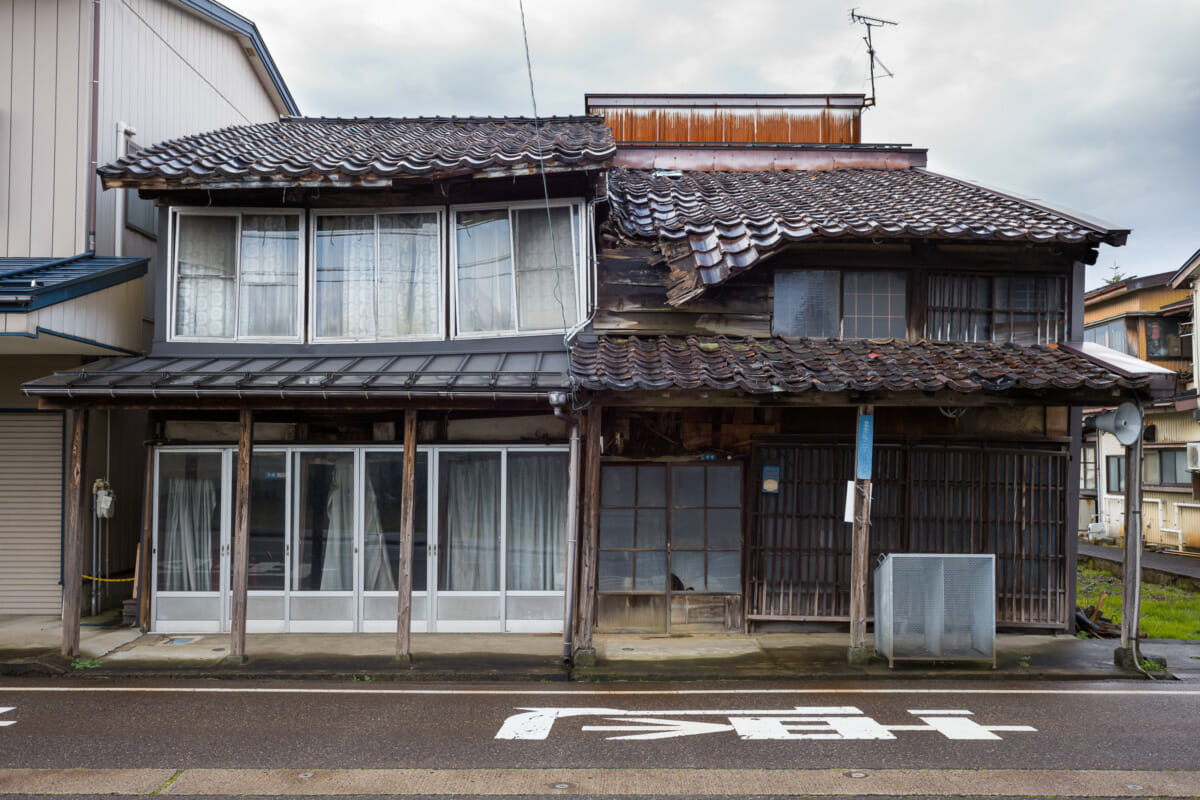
(1123, 422)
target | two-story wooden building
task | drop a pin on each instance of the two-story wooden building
(412, 324)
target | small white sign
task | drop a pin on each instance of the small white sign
(850, 502)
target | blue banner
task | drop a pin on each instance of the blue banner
(866, 439)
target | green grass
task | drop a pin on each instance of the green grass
(1167, 612)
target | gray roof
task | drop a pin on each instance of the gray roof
(368, 151)
(27, 284)
(521, 374)
(713, 224)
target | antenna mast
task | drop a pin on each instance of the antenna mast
(872, 59)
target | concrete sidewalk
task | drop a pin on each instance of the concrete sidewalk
(30, 646)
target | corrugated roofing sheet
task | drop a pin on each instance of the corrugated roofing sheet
(349, 151)
(27, 284)
(715, 223)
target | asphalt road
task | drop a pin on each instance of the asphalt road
(228, 739)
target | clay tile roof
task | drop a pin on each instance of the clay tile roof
(309, 149)
(766, 366)
(711, 224)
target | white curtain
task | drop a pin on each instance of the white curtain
(377, 572)
(268, 280)
(545, 269)
(206, 276)
(472, 527)
(346, 276)
(337, 566)
(187, 540)
(484, 272)
(537, 521)
(409, 263)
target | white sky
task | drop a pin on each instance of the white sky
(1092, 106)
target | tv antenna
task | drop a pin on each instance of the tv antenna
(869, 23)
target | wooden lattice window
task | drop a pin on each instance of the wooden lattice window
(994, 308)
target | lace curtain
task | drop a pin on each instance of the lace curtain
(484, 272)
(268, 281)
(545, 269)
(346, 276)
(207, 272)
(409, 301)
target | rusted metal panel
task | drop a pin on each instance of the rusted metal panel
(674, 124)
(732, 119)
(706, 125)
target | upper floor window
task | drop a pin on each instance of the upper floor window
(1114, 474)
(1111, 334)
(830, 303)
(1162, 338)
(516, 269)
(1087, 468)
(993, 308)
(1165, 467)
(237, 275)
(378, 276)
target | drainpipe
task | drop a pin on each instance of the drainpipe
(94, 144)
(559, 401)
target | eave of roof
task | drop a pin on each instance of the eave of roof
(244, 27)
(28, 284)
(1135, 284)
(1187, 271)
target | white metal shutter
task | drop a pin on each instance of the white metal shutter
(31, 486)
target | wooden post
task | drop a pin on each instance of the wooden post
(73, 534)
(145, 554)
(1132, 579)
(589, 544)
(860, 545)
(241, 538)
(408, 500)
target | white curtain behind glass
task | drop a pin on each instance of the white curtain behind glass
(267, 281)
(545, 269)
(346, 276)
(472, 522)
(409, 261)
(377, 573)
(186, 553)
(337, 567)
(484, 272)
(206, 275)
(537, 521)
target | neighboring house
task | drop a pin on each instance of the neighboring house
(412, 323)
(83, 83)
(1149, 318)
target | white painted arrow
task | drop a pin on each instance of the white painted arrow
(659, 728)
(5, 710)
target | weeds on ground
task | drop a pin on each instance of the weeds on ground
(1168, 612)
(85, 663)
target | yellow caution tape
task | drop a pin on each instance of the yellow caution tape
(110, 580)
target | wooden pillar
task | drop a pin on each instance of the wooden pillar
(589, 541)
(1132, 580)
(74, 534)
(241, 537)
(407, 515)
(860, 544)
(146, 551)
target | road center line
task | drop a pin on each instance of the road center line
(584, 692)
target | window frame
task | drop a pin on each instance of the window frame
(1087, 468)
(1179, 455)
(311, 276)
(1114, 468)
(1109, 326)
(1057, 320)
(239, 212)
(130, 146)
(581, 257)
(909, 281)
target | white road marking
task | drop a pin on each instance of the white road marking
(587, 692)
(660, 728)
(4, 723)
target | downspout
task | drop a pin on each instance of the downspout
(559, 401)
(94, 144)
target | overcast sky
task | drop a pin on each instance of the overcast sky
(1090, 106)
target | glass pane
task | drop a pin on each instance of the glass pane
(268, 279)
(345, 287)
(268, 514)
(615, 571)
(207, 269)
(469, 540)
(545, 269)
(724, 571)
(652, 486)
(650, 571)
(687, 486)
(687, 528)
(484, 272)
(616, 486)
(806, 303)
(537, 521)
(873, 305)
(616, 527)
(409, 301)
(189, 522)
(1150, 471)
(651, 528)
(725, 486)
(1162, 338)
(724, 528)
(324, 551)
(687, 571)
(384, 495)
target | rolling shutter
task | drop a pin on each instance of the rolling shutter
(31, 475)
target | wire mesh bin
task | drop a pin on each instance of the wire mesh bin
(936, 607)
